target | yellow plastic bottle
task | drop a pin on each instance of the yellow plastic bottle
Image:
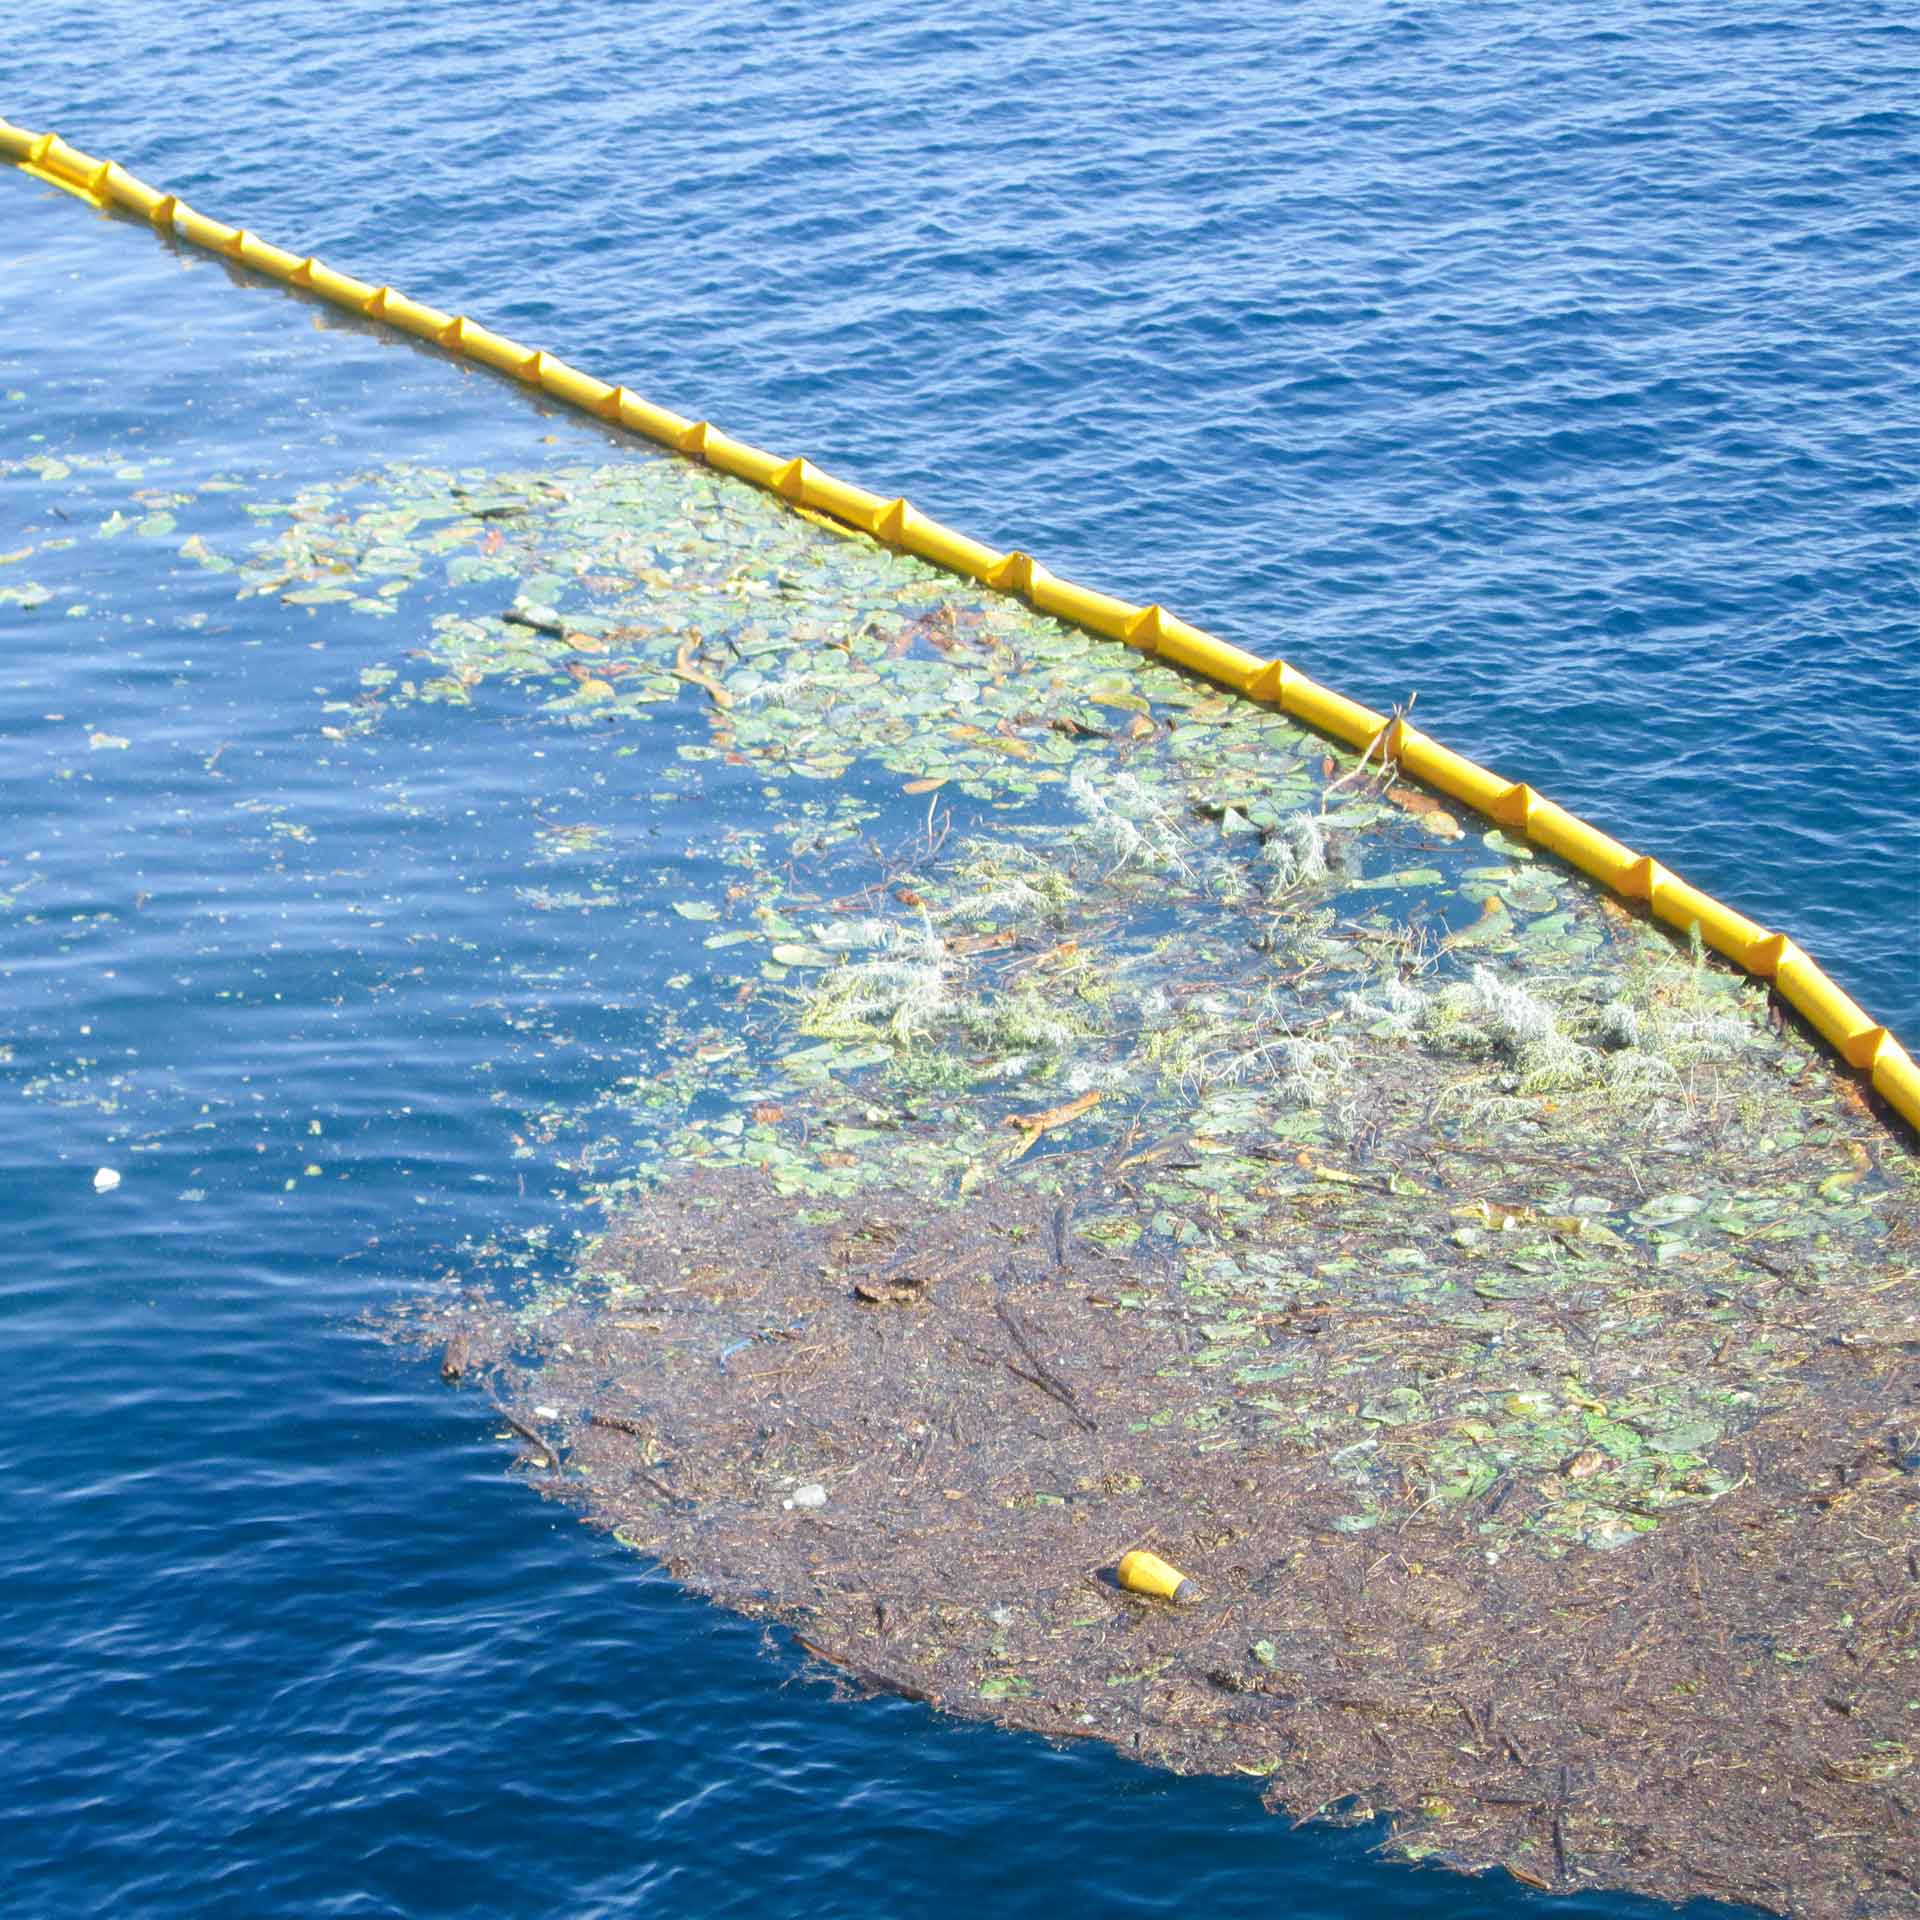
(1144, 1572)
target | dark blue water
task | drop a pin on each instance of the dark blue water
(1562, 372)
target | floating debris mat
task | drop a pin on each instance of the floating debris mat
(1112, 1120)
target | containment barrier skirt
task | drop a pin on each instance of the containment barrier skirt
(1862, 1042)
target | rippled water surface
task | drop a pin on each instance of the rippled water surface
(1564, 373)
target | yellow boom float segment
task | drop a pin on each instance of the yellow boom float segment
(1863, 1043)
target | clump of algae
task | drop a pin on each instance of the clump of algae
(901, 992)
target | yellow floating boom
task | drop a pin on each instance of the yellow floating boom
(1798, 979)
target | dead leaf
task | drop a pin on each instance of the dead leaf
(1053, 1117)
(1431, 813)
(889, 1293)
(684, 669)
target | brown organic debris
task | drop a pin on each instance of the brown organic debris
(1719, 1708)
(1168, 1135)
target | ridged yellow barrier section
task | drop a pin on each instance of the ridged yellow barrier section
(1862, 1042)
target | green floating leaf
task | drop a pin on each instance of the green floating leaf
(1622, 1442)
(1398, 1408)
(1665, 1209)
(1260, 1376)
(1687, 1436)
(1497, 842)
(696, 910)
(1617, 1530)
(1001, 1685)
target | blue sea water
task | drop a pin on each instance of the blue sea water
(1560, 367)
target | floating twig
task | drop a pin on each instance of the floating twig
(534, 624)
(869, 1677)
(1042, 1375)
(534, 1437)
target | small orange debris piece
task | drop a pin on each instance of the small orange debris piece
(684, 669)
(1431, 813)
(1054, 1116)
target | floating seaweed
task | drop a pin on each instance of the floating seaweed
(1505, 1318)
(1109, 1118)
